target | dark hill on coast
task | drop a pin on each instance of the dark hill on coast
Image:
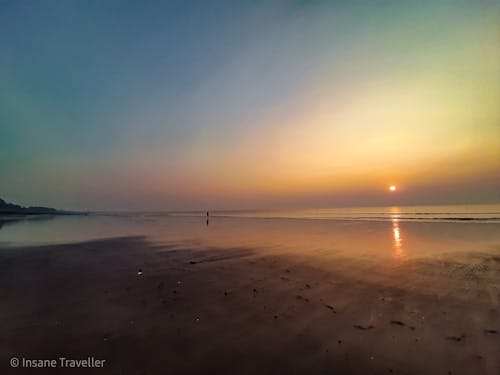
(14, 209)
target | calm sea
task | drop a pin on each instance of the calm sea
(483, 213)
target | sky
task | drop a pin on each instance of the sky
(173, 105)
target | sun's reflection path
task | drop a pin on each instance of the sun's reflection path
(396, 232)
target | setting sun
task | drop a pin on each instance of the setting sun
(392, 188)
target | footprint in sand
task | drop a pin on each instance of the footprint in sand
(330, 307)
(363, 328)
(397, 322)
(400, 323)
(456, 338)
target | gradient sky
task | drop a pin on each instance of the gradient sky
(249, 104)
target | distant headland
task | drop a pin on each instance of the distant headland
(15, 209)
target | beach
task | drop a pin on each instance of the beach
(151, 306)
(249, 187)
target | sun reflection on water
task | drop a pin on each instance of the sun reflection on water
(396, 231)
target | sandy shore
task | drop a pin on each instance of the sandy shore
(150, 308)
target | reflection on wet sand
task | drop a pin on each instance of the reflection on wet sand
(367, 240)
(398, 242)
(396, 231)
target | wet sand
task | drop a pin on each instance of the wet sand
(148, 307)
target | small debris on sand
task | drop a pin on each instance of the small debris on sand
(456, 338)
(330, 307)
(363, 328)
(400, 323)
(397, 322)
